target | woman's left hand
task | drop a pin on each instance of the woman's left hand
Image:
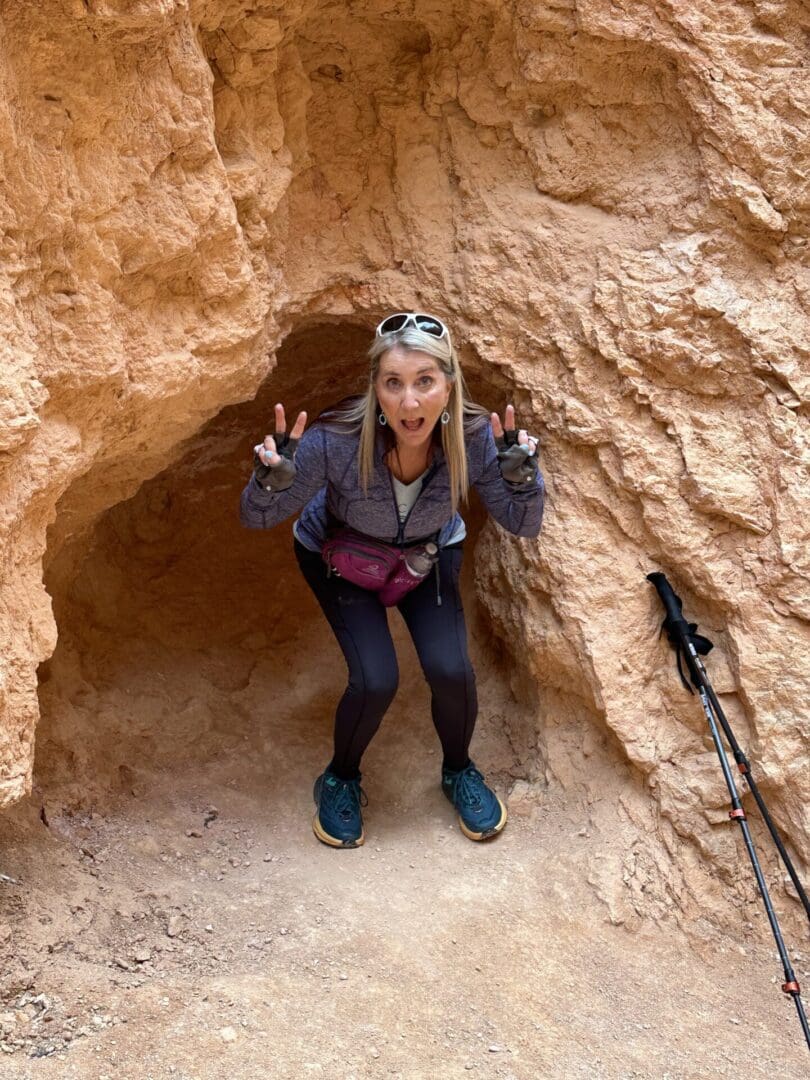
(517, 450)
(505, 432)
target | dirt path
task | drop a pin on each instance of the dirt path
(175, 917)
(143, 942)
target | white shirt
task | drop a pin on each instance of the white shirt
(406, 496)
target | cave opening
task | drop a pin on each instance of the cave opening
(190, 646)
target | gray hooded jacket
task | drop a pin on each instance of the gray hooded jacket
(327, 486)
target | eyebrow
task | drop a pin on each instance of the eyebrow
(420, 371)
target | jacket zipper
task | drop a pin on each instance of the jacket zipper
(400, 540)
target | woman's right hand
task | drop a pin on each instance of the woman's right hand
(274, 459)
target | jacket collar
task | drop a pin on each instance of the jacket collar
(380, 448)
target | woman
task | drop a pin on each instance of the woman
(393, 465)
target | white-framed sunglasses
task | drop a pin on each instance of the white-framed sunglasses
(428, 324)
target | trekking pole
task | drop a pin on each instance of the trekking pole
(688, 643)
(703, 645)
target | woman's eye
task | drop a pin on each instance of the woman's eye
(392, 384)
(426, 380)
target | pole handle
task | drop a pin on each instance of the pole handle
(681, 633)
(674, 624)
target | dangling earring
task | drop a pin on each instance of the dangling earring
(382, 419)
(445, 417)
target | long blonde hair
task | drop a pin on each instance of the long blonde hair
(361, 414)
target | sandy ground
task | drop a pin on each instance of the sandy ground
(172, 915)
(198, 930)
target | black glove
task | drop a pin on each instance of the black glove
(280, 476)
(518, 464)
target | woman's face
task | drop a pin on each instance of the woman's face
(413, 391)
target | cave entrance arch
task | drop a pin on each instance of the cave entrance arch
(187, 642)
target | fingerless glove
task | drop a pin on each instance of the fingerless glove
(281, 476)
(518, 464)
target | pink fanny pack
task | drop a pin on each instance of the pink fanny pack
(379, 567)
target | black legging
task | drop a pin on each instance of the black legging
(360, 624)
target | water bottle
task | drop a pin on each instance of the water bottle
(416, 564)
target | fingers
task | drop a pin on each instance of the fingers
(531, 442)
(300, 424)
(281, 423)
(266, 452)
(507, 429)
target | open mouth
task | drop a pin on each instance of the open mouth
(413, 425)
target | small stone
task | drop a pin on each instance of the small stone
(228, 1034)
(174, 925)
(734, 1020)
(495, 1049)
(268, 857)
(209, 929)
(193, 832)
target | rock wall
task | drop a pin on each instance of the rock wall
(607, 202)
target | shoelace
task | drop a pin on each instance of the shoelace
(468, 788)
(345, 797)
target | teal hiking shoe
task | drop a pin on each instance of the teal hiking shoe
(480, 812)
(338, 820)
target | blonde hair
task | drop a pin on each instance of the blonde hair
(361, 414)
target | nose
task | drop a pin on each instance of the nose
(410, 400)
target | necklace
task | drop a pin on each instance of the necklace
(407, 476)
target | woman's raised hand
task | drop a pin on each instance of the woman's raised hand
(517, 450)
(279, 446)
(505, 434)
(274, 459)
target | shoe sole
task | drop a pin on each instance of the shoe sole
(333, 841)
(487, 832)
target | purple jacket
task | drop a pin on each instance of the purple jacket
(327, 486)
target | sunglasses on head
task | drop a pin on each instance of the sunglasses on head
(429, 324)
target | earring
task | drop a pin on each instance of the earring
(445, 417)
(382, 419)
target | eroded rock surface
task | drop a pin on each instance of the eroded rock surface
(607, 202)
